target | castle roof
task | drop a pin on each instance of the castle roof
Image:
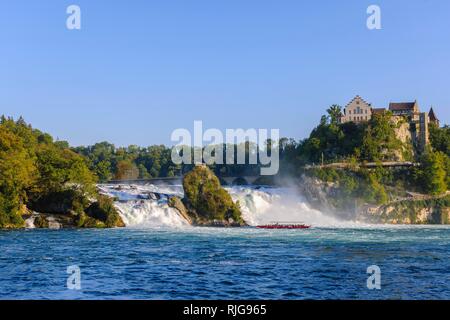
(378, 110)
(432, 115)
(400, 106)
(357, 98)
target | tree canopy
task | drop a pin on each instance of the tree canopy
(33, 166)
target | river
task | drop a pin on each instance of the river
(159, 256)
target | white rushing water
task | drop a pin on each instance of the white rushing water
(139, 207)
(265, 205)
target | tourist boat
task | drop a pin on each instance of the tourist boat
(284, 225)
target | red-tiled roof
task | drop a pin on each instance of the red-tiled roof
(378, 110)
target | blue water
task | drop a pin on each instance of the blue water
(205, 263)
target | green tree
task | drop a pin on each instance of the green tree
(433, 175)
(60, 170)
(380, 142)
(103, 170)
(126, 170)
(334, 114)
(440, 139)
(143, 173)
(17, 174)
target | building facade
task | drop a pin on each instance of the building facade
(417, 122)
(357, 111)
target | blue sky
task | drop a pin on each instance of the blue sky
(137, 70)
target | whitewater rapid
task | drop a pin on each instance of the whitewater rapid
(146, 206)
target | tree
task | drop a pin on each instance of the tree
(143, 173)
(103, 170)
(432, 174)
(60, 170)
(17, 174)
(334, 114)
(126, 170)
(440, 139)
(380, 141)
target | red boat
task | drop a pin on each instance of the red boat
(285, 225)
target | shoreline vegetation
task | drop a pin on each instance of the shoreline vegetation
(55, 184)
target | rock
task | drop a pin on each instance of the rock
(40, 222)
(53, 224)
(176, 203)
(104, 211)
(85, 221)
(29, 222)
(70, 209)
(207, 203)
(413, 211)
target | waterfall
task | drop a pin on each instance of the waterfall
(146, 206)
(265, 205)
(149, 213)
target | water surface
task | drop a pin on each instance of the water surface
(209, 263)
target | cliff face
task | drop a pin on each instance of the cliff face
(405, 135)
(430, 211)
(328, 197)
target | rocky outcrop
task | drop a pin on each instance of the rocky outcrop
(103, 210)
(419, 209)
(176, 203)
(430, 211)
(403, 133)
(326, 197)
(49, 221)
(206, 202)
(71, 209)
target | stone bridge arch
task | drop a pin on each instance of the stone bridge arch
(239, 180)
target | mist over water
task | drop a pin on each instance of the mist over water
(266, 205)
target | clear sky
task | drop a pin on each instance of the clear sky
(137, 70)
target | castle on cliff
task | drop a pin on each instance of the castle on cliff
(417, 130)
